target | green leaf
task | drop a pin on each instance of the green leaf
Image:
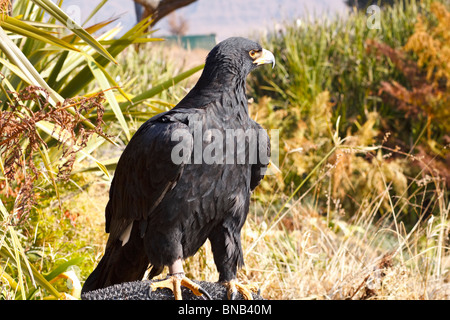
(73, 37)
(19, 27)
(109, 164)
(138, 40)
(47, 163)
(68, 22)
(11, 67)
(18, 255)
(62, 268)
(161, 87)
(56, 71)
(113, 82)
(109, 94)
(20, 260)
(83, 77)
(16, 56)
(93, 12)
(24, 65)
(51, 130)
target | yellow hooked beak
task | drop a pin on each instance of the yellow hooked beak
(266, 57)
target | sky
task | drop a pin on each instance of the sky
(224, 18)
(242, 18)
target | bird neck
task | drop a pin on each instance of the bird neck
(226, 90)
(219, 78)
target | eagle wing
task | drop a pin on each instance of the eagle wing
(145, 173)
(263, 156)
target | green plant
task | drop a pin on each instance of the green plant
(364, 216)
(330, 54)
(328, 70)
(50, 121)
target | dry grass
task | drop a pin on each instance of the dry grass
(314, 261)
(310, 255)
(317, 248)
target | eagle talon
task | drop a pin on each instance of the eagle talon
(174, 282)
(204, 293)
(233, 287)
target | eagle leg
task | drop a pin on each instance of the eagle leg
(233, 286)
(175, 280)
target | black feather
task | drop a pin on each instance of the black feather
(175, 207)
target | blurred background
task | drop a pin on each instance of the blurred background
(222, 18)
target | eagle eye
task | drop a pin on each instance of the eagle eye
(254, 54)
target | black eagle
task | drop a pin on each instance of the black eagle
(187, 176)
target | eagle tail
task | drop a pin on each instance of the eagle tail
(120, 263)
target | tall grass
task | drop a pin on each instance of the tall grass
(331, 53)
(327, 70)
(364, 216)
(55, 97)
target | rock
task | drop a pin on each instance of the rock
(140, 290)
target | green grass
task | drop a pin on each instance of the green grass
(56, 92)
(326, 70)
(377, 204)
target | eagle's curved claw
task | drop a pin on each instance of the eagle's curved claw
(204, 293)
(233, 287)
(174, 283)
